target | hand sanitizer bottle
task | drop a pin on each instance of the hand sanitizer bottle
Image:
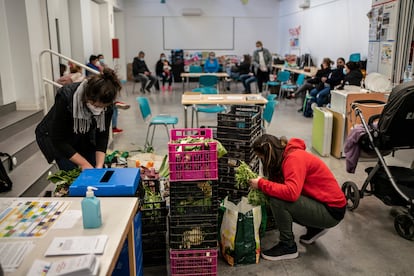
(91, 210)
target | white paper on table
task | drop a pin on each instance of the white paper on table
(12, 254)
(215, 97)
(235, 97)
(67, 219)
(77, 245)
(86, 265)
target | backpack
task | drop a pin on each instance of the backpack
(5, 181)
(307, 106)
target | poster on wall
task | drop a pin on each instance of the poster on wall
(389, 21)
(386, 53)
(294, 41)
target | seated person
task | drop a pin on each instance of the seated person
(247, 80)
(75, 75)
(353, 75)
(94, 64)
(240, 69)
(142, 73)
(211, 65)
(322, 92)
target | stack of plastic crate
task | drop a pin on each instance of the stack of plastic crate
(192, 222)
(236, 130)
(154, 225)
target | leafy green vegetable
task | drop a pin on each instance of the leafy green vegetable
(63, 179)
(243, 175)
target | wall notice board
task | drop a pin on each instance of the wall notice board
(198, 32)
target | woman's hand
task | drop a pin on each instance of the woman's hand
(254, 183)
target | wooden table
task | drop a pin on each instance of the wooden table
(186, 76)
(224, 99)
(310, 74)
(118, 226)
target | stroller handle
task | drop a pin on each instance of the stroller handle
(359, 102)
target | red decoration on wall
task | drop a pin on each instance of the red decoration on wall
(115, 48)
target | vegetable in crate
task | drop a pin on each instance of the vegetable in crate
(243, 175)
(63, 179)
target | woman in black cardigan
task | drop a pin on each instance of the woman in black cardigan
(76, 129)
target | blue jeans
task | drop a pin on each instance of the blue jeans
(115, 117)
(321, 96)
(247, 80)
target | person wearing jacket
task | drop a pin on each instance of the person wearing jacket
(142, 74)
(300, 188)
(353, 74)
(211, 65)
(262, 62)
(75, 131)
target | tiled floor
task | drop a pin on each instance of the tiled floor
(364, 243)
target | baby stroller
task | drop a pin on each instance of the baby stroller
(394, 186)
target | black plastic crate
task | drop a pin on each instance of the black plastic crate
(152, 183)
(193, 198)
(156, 240)
(234, 195)
(240, 116)
(235, 139)
(227, 165)
(154, 216)
(154, 257)
(240, 155)
(192, 232)
(238, 135)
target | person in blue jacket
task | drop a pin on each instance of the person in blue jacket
(211, 65)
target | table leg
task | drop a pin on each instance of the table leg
(131, 250)
(183, 81)
(185, 116)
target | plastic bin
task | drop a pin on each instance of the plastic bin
(193, 262)
(192, 161)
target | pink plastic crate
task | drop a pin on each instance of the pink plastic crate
(192, 161)
(193, 262)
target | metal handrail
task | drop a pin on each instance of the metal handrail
(52, 82)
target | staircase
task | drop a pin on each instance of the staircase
(17, 138)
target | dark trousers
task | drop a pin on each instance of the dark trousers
(262, 77)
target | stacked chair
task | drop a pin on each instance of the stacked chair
(193, 218)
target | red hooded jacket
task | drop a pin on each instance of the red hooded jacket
(304, 174)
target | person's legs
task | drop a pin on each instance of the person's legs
(144, 80)
(301, 90)
(305, 211)
(115, 128)
(314, 92)
(243, 79)
(261, 78)
(248, 82)
(152, 81)
(323, 95)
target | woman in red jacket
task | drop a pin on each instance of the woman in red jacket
(300, 188)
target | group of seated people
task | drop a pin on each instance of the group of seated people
(328, 78)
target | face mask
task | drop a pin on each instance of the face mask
(211, 57)
(259, 48)
(344, 71)
(102, 61)
(163, 58)
(141, 59)
(242, 60)
(95, 110)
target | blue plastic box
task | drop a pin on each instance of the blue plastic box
(110, 182)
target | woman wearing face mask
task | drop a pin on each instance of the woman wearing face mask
(353, 74)
(75, 131)
(262, 59)
(211, 65)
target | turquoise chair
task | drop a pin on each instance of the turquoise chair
(282, 78)
(154, 121)
(292, 87)
(195, 69)
(268, 111)
(271, 97)
(355, 57)
(205, 108)
(208, 81)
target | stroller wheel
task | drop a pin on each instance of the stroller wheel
(404, 225)
(351, 192)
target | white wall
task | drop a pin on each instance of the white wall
(253, 21)
(329, 28)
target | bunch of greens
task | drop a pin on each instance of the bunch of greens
(243, 175)
(63, 179)
(221, 150)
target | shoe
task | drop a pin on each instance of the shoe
(116, 130)
(148, 89)
(300, 109)
(122, 105)
(163, 89)
(142, 90)
(281, 251)
(312, 234)
(170, 88)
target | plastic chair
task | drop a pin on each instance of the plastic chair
(292, 87)
(195, 69)
(355, 57)
(154, 121)
(206, 108)
(271, 97)
(282, 77)
(268, 111)
(208, 81)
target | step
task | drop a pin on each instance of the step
(30, 178)
(16, 121)
(7, 108)
(21, 145)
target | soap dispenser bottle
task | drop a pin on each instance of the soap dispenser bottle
(91, 209)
